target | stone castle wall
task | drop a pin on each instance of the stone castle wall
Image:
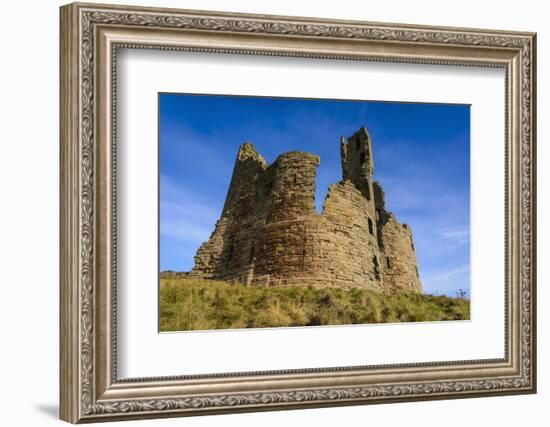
(270, 233)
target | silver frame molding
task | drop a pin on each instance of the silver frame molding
(90, 37)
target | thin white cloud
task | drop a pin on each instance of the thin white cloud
(188, 209)
(447, 281)
(459, 235)
(184, 215)
(185, 232)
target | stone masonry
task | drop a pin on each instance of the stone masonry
(269, 232)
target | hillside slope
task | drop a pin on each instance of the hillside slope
(190, 304)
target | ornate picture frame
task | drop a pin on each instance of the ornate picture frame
(90, 37)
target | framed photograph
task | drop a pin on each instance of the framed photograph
(267, 212)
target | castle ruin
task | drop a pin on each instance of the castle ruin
(269, 232)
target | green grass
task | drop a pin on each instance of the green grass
(191, 304)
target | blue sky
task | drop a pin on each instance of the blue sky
(421, 157)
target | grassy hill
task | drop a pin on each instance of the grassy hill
(191, 304)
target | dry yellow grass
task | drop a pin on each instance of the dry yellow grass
(190, 304)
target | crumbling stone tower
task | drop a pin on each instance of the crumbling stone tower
(270, 233)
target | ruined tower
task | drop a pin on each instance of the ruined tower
(270, 233)
(357, 162)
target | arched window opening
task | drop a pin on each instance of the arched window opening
(376, 267)
(371, 227)
(388, 262)
(251, 254)
(231, 250)
(367, 191)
